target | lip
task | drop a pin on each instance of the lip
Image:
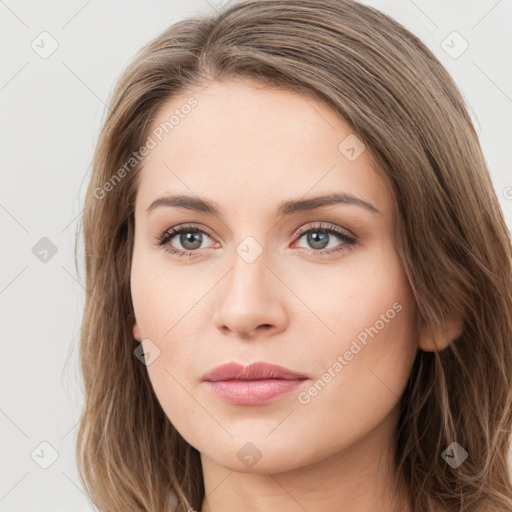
(254, 371)
(255, 384)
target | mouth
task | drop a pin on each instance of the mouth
(255, 384)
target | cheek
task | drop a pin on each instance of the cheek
(167, 309)
(162, 294)
(369, 326)
(363, 373)
(366, 362)
(367, 297)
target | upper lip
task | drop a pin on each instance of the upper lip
(254, 371)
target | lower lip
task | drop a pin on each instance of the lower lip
(253, 392)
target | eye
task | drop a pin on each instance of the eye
(318, 236)
(190, 238)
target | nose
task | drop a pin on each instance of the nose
(251, 300)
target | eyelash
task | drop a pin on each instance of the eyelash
(164, 239)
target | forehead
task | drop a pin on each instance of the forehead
(248, 145)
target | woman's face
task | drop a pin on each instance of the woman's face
(263, 282)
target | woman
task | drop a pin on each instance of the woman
(298, 275)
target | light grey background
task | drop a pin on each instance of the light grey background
(52, 109)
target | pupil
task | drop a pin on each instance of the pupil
(317, 242)
(194, 237)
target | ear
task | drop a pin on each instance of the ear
(136, 332)
(430, 341)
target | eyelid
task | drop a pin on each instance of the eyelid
(345, 236)
(173, 231)
(327, 226)
(298, 232)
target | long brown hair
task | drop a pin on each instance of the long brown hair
(449, 233)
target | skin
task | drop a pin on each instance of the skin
(248, 147)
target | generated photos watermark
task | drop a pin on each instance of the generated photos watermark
(158, 133)
(360, 342)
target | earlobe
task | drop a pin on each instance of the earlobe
(136, 332)
(430, 341)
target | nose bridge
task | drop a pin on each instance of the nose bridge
(248, 276)
(250, 295)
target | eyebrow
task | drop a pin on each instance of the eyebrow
(285, 208)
